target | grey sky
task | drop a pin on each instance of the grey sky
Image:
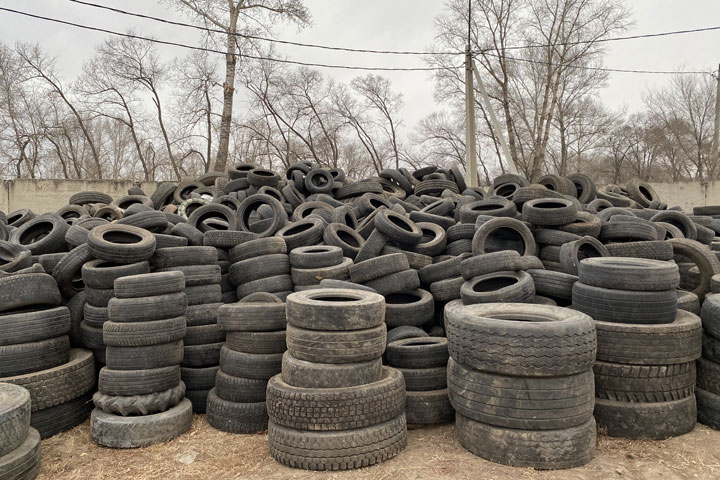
(383, 24)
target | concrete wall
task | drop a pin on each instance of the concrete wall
(49, 195)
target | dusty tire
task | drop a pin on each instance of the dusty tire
(335, 309)
(331, 346)
(656, 421)
(24, 461)
(232, 417)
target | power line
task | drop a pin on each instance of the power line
(596, 69)
(255, 37)
(613, 39)
(209, 50)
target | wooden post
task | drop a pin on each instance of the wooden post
(470, 146)
(716, 135)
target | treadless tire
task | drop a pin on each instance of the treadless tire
(121, 243)
(521, 402)
(300, 373)
(644, 383)
(140, 431)
(539, 449)
(14, 417)
(342, 450)
(335, 309)
(428, 407)
(23, 462)
(656, 421)
(332, 346)
(246, 417)
(520, 339)
(333, 409)
(671, 343)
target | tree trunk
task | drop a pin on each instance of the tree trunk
(228, 96)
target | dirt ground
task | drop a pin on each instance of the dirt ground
(432, 453)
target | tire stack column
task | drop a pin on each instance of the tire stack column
(261, 265)
(708, 367)
(20, 448)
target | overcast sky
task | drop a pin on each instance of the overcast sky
(382, 24)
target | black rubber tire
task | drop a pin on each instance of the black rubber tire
(447, 290)
(239, 390)
(539, 449)
(300, 373)
(678, 220)
(274, 284)
(504, 286)
(481, 244)
(625, 306)
(396, 282)
(333, 409)
(25, 290)
(573, 253)
(398, 228)
(313, 276)
(42, 234)
(708, 375)
(316, 256)
(688, 301)
(201, 356)
(418, 352)
(137, 382)
(550, 211)
(409, 308)
(14, 417)
(644, 383)
(34, 325)
(342, 450)
(68, 269)
(489, 263)
(180, 256)
(631, 344)
(585, 187)
(121, 243)
(94, 317)
(553, 284)
(149, 284)
(377, 267)
(144, 358)
(197, 275)
(202, 378)
(99, 297)
(708, 408)
(145, 309)
(547, 403)
(657, 420)
(701, 256)
(428, 407)
(710, 314)
(345, 237)
(252, 317)
(202, 314)
(203, 294)
(24, 358)
(372, 247)
(258, 268)
(424, 379)
(100, 274)
(637, 274)
(24, 461)
(250, 365)
(547, 341)
(140, 404)
(51, 421)
(655, 250)
(232, 417)
(400, 333)
(253, 202)
(141, 334)
(335, 309)
(139, 431)
(328, 346)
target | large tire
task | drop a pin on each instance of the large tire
(14, 417)
(300, 373)
(335, 309)
(428, 407)
(145, 309)
(34, 325)
(644, 383)
(657, 421)
(137, 382)
(121, 243)
(24, 290)
(62, 417)
(232, 417)
(23, 462)
(625, 306)
(31, 357)
(330, 346)
(629, 274)
(144, 358)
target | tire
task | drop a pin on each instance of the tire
(201, 356)
(553, 284)
(548, 341)
(335, 309)
(14, 417)
(121, 243)
(688, 301)
(678, 220)
(701, 256)
(635, 274)
(253, 202)
(654, 250)
(499, 226)
(94, 317)
(434, 239)
(644, 383)
(398, 228)
(430, 352)
(258, 268)
(336, 346)
(137, 382)
(140, 404)
(372, 247)
(100, 274)
(207, 314)
(67, 270)
(656, 421)
(396, 282)
(424, 379)
(550, 211)
(141, 334)
(34, 325)
(274, 284)
(410, 307)
(252, 317)
(24, 461)
(708, 408)
(149, 284)
(24, 358)
(199, 378)
(498, 287)
(363, 272)
(197, 275)
(144, 358)
(428, 407)
(525, 403)
(585, 187)
(145, 309)
(302, 374)
(490, 263)
(62, 417)
(631, 344)
(258, 248)
(316, 256)
(313, 276)
(400, 333)
(25, 290)
(333, 409)
(238, 418)
(572, 254)
(226, 239)
(625, 306)
(708, 376)
(140, 431)
(539, 449)
(181, 256)
(340, 450)
(257, 342)
(250, 365)
(635, 231)
(239, 390)
(586, 225)
(42, 234)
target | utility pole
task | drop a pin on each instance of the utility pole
(716, 136)
(470, 146)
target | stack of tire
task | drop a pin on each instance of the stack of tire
(141, 398)
(334, 406)
(20, 449)
(645, 373)
(35, 353)
(202, 342)
(261, 265)
(223, 241)
(520, 380)
(423, 363)
(255, 330)
(708, 366)
(311, 264)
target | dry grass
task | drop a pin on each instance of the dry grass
(432, 453)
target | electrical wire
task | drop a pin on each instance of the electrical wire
(255, 37)
(209, 50)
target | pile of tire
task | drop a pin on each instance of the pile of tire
(645, 369)
(252, 354)
(334, 406)
(203, 339)
(141, 398)
(520, 380)
(708, 366)
(35, 352)
(20, 449)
